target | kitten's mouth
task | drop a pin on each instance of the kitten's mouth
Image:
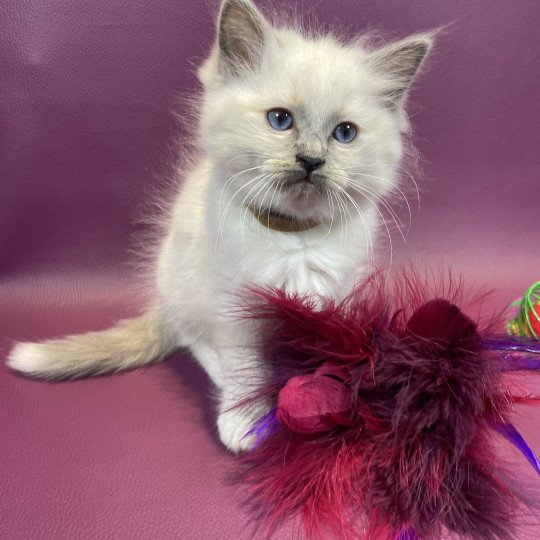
(302, 191)
(305, 184)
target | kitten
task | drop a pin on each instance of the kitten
(299, 137)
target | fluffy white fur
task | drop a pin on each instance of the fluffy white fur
(214, 245)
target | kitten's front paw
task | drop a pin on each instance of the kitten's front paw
(234, 427)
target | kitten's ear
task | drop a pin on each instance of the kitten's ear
(399, 63)
(242, 34)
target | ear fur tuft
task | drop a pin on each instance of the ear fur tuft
(242, 33)
(399, 63)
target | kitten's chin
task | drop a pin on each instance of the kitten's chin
(306, 190)
(304, 201)
(300, 197)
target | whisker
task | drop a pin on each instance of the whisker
(251, 201)
(383, 202)
(365, 191)
(400, 168)
(222, 216)
(272, 200)
(395, 187)
(384, 222)
(270, 186)
(242, 156)
(342, 220)
(245, 207)
(230, 180)
(367, 233)
(331, 205)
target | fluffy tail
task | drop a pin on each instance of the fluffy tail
(129, 344)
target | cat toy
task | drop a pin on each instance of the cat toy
(526, 314)
(386, 408)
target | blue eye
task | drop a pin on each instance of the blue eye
(345, 132)
(280, 119)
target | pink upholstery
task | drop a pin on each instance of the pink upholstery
(86, 94)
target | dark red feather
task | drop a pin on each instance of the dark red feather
(386, 409)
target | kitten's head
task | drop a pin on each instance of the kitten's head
(299, 123)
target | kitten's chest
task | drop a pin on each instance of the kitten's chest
(297, 263)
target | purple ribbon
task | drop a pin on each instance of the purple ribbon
(509, 432)
(513, 345)
(520, 362)
(517, 354)
(407, 534)
(264, 427)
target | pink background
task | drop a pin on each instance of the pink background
(87, 137)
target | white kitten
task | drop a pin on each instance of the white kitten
(299, 138)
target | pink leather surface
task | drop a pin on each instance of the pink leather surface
(86, 134)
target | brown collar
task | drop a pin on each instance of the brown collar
(281, 223)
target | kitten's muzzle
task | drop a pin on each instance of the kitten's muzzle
(310, 163)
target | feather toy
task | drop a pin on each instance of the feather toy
(386, 409)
